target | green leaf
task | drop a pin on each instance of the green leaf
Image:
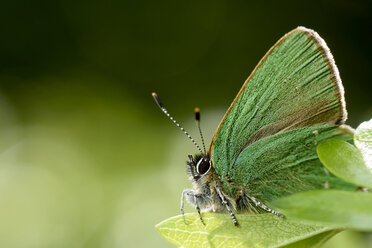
(314, 241)
(363, 140)
(329, 207)
(263, 230)
(345, 161)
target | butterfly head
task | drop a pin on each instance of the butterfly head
(198, 166)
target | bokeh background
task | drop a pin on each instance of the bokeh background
(86, 157)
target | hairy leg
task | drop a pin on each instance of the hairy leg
(196, 200)
(226, 205)
(263, 206)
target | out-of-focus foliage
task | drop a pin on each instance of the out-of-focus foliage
(363, 140)
(86, 158)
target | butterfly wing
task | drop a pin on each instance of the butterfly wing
(286, 163)
(295, 85)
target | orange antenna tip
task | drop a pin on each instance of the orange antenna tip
(197, 114)
(157, 100)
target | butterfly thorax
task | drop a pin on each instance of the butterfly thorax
(205, 182)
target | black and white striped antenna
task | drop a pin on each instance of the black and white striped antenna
(197, 119)
(157, 100)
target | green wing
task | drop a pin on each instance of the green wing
(295, 85)
(286, 163)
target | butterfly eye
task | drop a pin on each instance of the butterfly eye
(203, 166)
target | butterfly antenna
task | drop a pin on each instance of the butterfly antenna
(197, 119)
(157, 100)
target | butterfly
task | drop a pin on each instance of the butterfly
(265, 145)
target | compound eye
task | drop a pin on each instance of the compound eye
(203, 166)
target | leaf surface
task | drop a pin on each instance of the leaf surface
(314, 241)
(263, 230)
(329, 207)
(345, 161)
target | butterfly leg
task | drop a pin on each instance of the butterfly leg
(224, 202)
(200, 217)
(263, 206)
(182, 204)
(195, 200)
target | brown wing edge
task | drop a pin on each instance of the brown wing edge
(336, 79)
(328, 59)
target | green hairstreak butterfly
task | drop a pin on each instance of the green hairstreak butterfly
(265, 145)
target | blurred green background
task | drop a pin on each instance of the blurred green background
(86, 157)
